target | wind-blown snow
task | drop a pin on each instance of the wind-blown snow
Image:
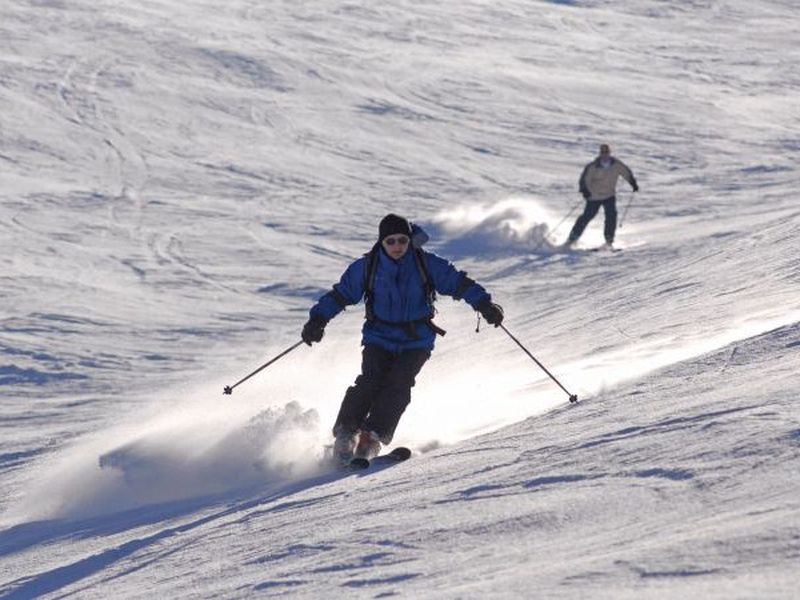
(181, 181)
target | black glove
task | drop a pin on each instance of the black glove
(635, 186)
(586, 195)
(493, 313)
(313, 330)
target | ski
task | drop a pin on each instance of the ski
(397, 455)
(605, 249)
(570, 250)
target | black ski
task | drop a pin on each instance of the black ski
(397, 455)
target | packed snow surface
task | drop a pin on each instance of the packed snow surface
(180, 181)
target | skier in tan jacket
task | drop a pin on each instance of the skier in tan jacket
(598, 184)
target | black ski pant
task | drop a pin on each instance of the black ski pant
(381, 393)
(590, 210)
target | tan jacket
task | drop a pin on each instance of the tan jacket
(600, 183)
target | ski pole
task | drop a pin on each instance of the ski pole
(560, 223)
(229, 388)
(572, 397)
(625, 212)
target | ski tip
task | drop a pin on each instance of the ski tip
(401, 453)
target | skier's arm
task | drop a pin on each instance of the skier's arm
(348, 291)
(582, 187)
(627, 175)
(449, 281)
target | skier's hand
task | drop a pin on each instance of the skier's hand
(313, 330)
(493, 313)
(635, 186)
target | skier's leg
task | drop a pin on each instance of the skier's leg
(395, 394)
(375, 362)
(610, 208)
(589, 212)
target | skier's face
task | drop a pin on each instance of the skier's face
(395, 245)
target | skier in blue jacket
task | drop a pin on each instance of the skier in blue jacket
(398, 282)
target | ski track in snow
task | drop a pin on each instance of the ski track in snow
(176, 194)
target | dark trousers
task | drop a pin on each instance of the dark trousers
(592, 207)
(381, 393)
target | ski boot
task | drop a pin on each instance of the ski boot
(343, 447)
(369, 445)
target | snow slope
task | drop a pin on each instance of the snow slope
(181, 182)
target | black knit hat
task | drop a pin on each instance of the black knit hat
(391, 224)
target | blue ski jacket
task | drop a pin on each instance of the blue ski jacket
(400, 302)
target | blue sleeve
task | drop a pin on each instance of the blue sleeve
(451, 282)
(348, 291)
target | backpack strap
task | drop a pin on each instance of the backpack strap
(430, 289)
(370, 273)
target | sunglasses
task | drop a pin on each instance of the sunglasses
(402, 240)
